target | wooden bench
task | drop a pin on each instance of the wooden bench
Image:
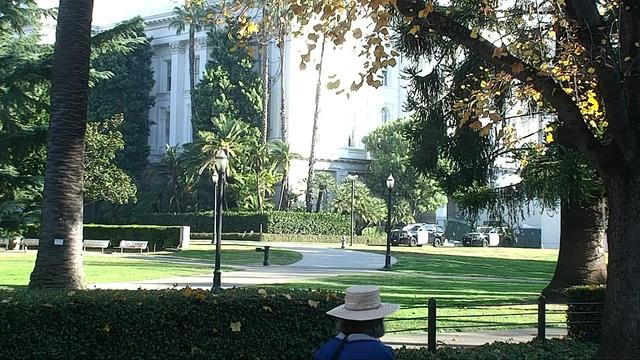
(137, 245)
(29, 242)
(95, 244)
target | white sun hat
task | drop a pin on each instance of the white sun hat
(361, 303)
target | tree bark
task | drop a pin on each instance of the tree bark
(314, 133)
(581, 260)
(319, 202)
(59, 266)
(621, 323)
(284, 188)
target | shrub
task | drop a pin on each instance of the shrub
(276, 222)
(168, 324)
(159, 237)
(539, 350)
(584, 314)
(324, 239)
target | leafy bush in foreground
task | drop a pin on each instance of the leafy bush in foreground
(535, 350)
(170, 324)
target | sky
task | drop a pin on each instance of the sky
(106, 12)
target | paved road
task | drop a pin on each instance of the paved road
(316, 262)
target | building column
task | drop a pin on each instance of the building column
(177, 91)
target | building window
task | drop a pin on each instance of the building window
(385, 115)
(168, 72)
(385, 77)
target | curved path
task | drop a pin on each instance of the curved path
(317, 262)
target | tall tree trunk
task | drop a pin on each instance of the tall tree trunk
(284, 186)
(192, 75)
(59, 262)
(266, 84)
(283, 112)
(581, 260)
(621, 323)
(258, 192)
(319, 202)
(314, 132)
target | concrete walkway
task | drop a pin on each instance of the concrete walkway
(469, 339)
(316, 262)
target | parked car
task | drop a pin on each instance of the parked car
(418, 234)
(488, 236)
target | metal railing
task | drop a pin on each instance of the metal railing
(542, 311)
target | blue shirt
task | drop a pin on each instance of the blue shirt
(357, 347)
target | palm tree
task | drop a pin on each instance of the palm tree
(314, 132)
(59, 261)
(282, 155)
(192, 15)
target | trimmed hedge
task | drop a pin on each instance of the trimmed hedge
(276, 222)
(325, 239)
(160, 237)
(536, 350)
(584, 322)
(170, 324)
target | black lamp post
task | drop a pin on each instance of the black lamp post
(353, 205)
(214, 178)
(222, 162)
(387, 258)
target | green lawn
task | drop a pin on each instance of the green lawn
(458, 278)
(240, 255)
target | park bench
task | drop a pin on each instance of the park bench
(29, 242)
(260, 247)
(5, 243)
(95, 244)
(137, 245)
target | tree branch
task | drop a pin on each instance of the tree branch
(566, 108)
(594, 36)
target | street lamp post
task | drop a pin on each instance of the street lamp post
(214, 178)
(387, 257)
(353, 205)
(222, 162)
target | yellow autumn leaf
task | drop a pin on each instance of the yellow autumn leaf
(186, 292)
(485, 130)
(549, 138)
(475, 125)
(474, 33)
(333, 84)
(428, 9)
(252, 28)
(313, 37)
(200, 297)
(235, 327)
(357, 33)
(414, 29)
(591, 70)
(495, 117)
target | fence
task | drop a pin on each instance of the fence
(539, 309)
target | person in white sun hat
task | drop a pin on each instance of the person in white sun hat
(360, 326)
